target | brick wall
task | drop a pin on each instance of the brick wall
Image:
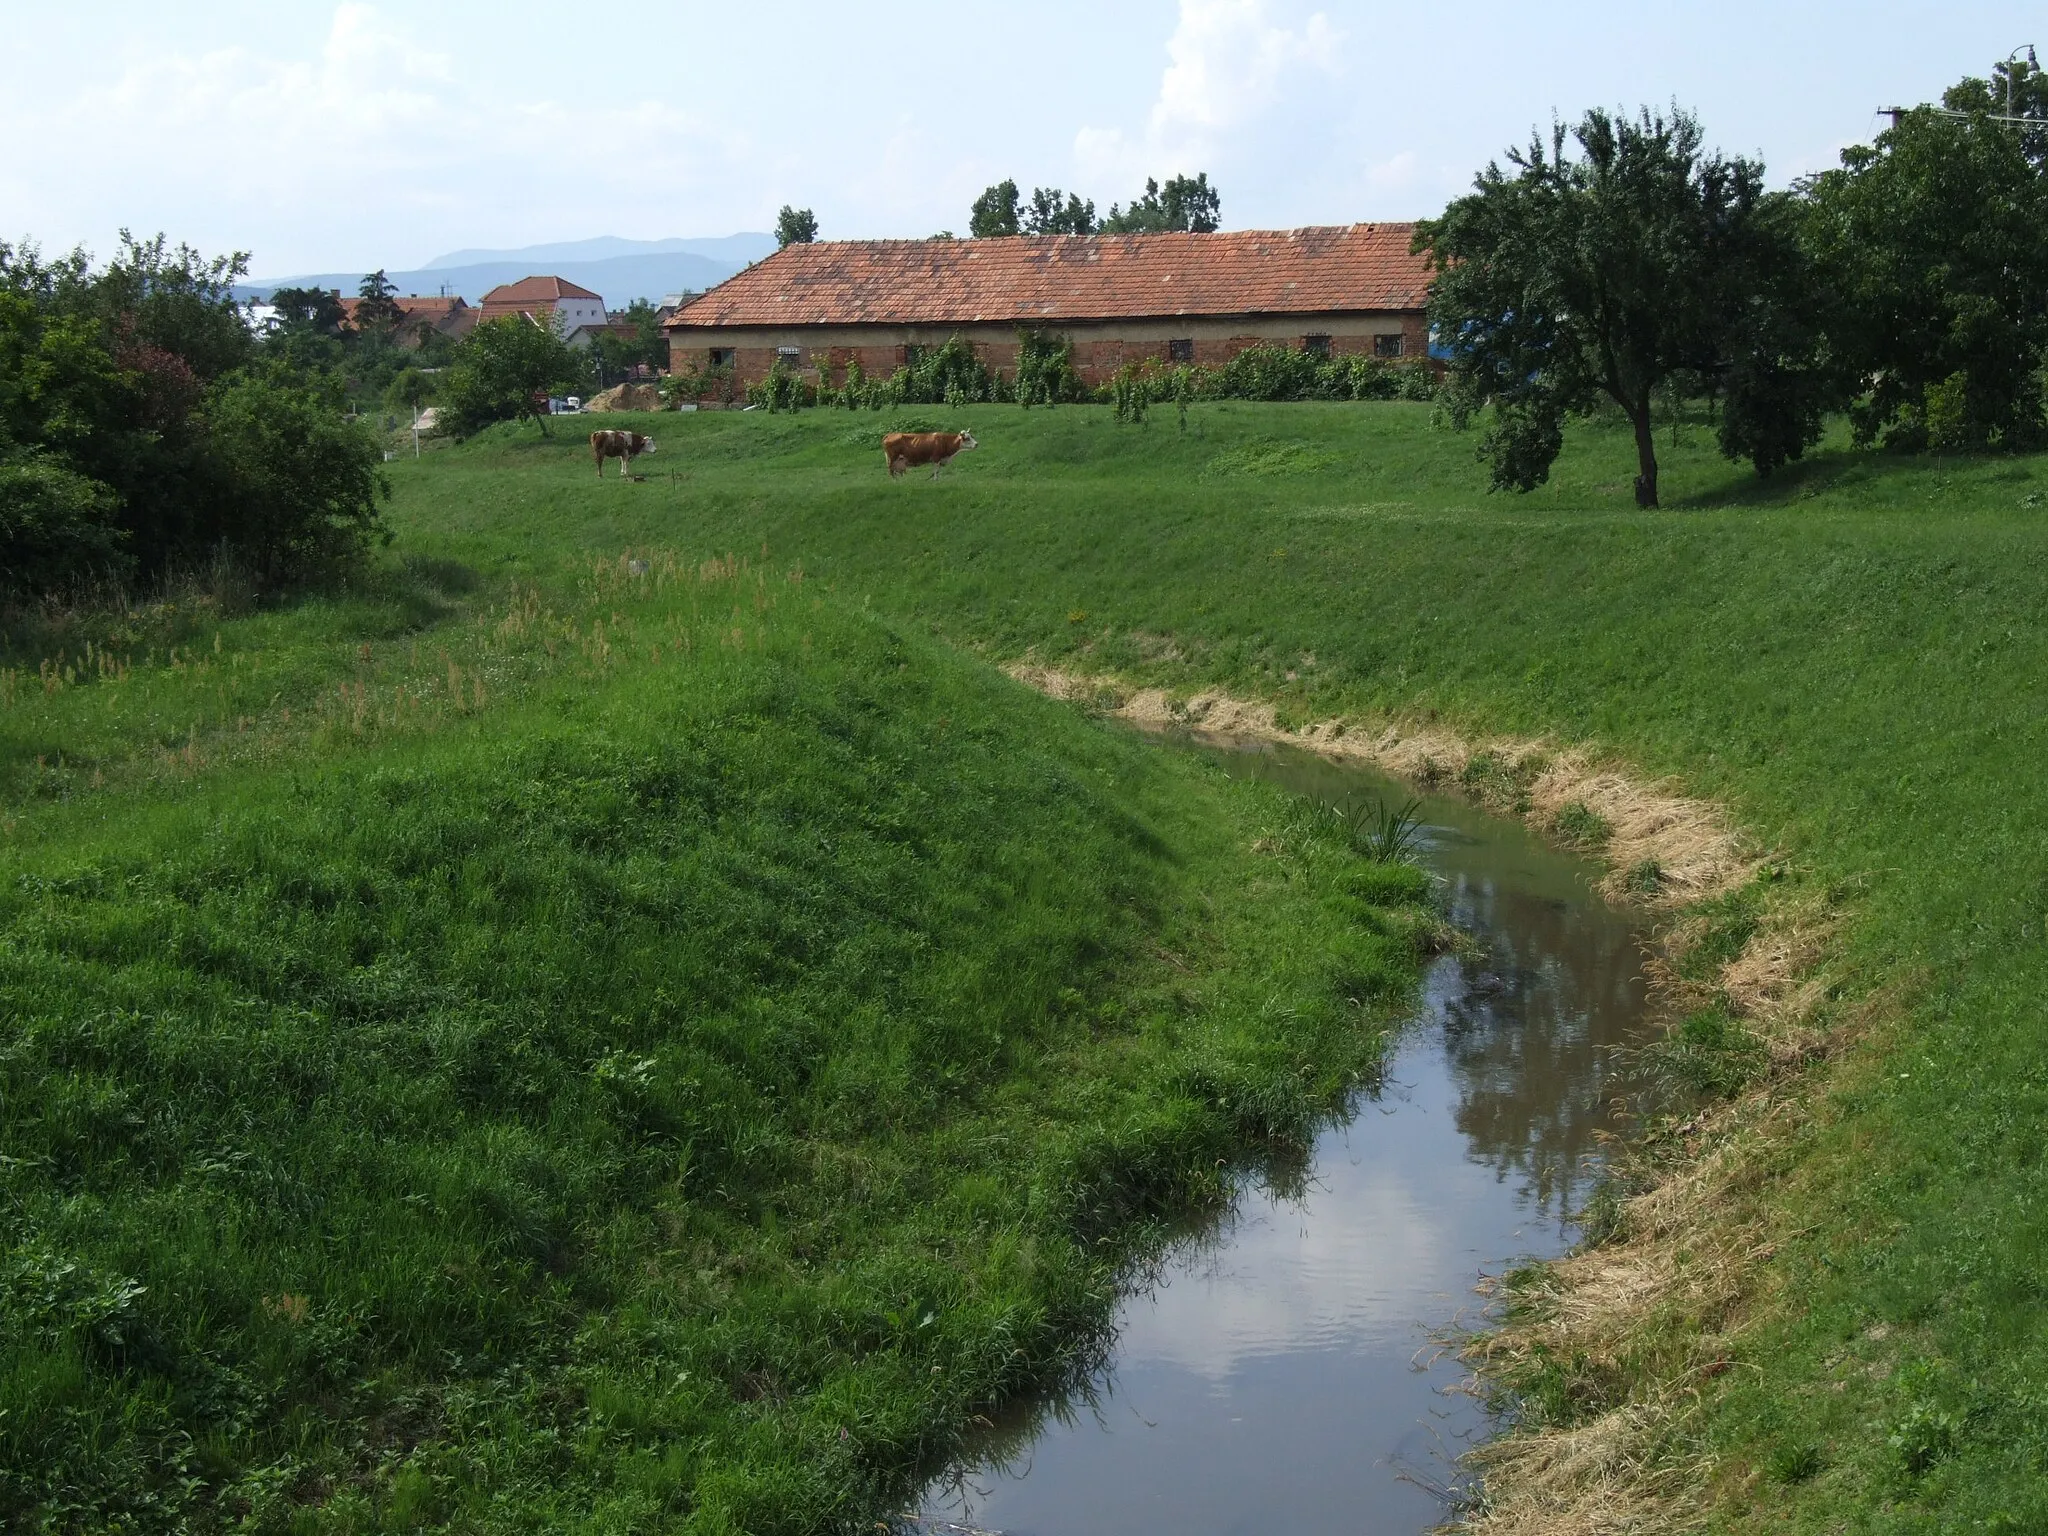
(1099, 350)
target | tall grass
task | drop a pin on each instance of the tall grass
(639, 1046)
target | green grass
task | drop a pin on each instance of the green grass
(1849, 655)
(634, 1049)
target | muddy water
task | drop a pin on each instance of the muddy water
(1280, 1377)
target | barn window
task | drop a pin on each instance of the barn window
(1316, 346)
(1180, 351)
(721, 357)
(1389, 346)
(791, 358)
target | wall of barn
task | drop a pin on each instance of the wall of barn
(1100, 348)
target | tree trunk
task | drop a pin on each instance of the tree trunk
(1646, 454)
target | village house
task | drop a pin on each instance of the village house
(449, 315)
(576, 313)
(1177, 298)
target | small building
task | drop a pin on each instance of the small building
(1177, 298)
(448, 314)
(576, 313)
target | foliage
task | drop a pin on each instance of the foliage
(377, 309)
(299, 484)
(615, 357)
(1053, 212)
(1045, 369)
(410, 389)
(1602, 277)
(309, 309)
(1933, 242)
(504, 370)
(1186, 203)
(1292, 373)
(795, 226)
(128, 398)
(58, 529)
(995, 212)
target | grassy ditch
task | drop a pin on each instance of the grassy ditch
(641, 1046)
(1845, 657)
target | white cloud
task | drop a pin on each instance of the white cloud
(1230, 65)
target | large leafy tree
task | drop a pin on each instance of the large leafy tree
(1933, 242)
(504, 370)
(1186, 204)
(1641, 261)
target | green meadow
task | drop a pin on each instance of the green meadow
(622, 1018)
(640, 1044)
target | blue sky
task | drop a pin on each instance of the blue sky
(336, 136)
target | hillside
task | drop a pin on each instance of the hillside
(639, 1045)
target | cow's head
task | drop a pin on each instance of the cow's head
(967, 441)
(647, 445)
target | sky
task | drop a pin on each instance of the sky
(335, 135)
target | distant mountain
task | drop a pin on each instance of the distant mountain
(736, 250)
(642, 273)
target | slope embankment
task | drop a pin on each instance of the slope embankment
(1843, 659)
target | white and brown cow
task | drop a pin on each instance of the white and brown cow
(903, 449)
(623, 446)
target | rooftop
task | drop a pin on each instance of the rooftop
(1042, 279)
(537, 290)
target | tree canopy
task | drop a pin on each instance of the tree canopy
(795, 226)
(504, 370)
(995, 212)
(1186, 204)
(1933, 244)
(1642, 261)
(377, 306)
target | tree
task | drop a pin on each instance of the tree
(504, 370)
(309, 309)
(1933, 242)
(795, 226)
(409, 389)
(995, 212)
(1187, 204)
(1642, 262)
(377, 309)
(1054, 212)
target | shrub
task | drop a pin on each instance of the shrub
(299, 484)
(57, 529)
(1045, 370)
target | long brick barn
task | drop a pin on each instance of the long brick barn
(1120, 298)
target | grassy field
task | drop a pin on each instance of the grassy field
(638, 1046)
(350, 1021)
(1849, 656)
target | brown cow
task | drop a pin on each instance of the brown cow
(623, 446)
(903, 449)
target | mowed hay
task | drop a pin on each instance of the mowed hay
(626, 397)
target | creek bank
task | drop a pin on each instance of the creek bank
(1629, 1333)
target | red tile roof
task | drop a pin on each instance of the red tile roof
(1040, 279)
(537, 290)
(431, 308)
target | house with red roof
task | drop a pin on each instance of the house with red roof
(576, 313)
(1191, 298)
(420, 314)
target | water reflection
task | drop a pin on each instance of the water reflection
(1278, 1374)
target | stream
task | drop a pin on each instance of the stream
(1282, 1374)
